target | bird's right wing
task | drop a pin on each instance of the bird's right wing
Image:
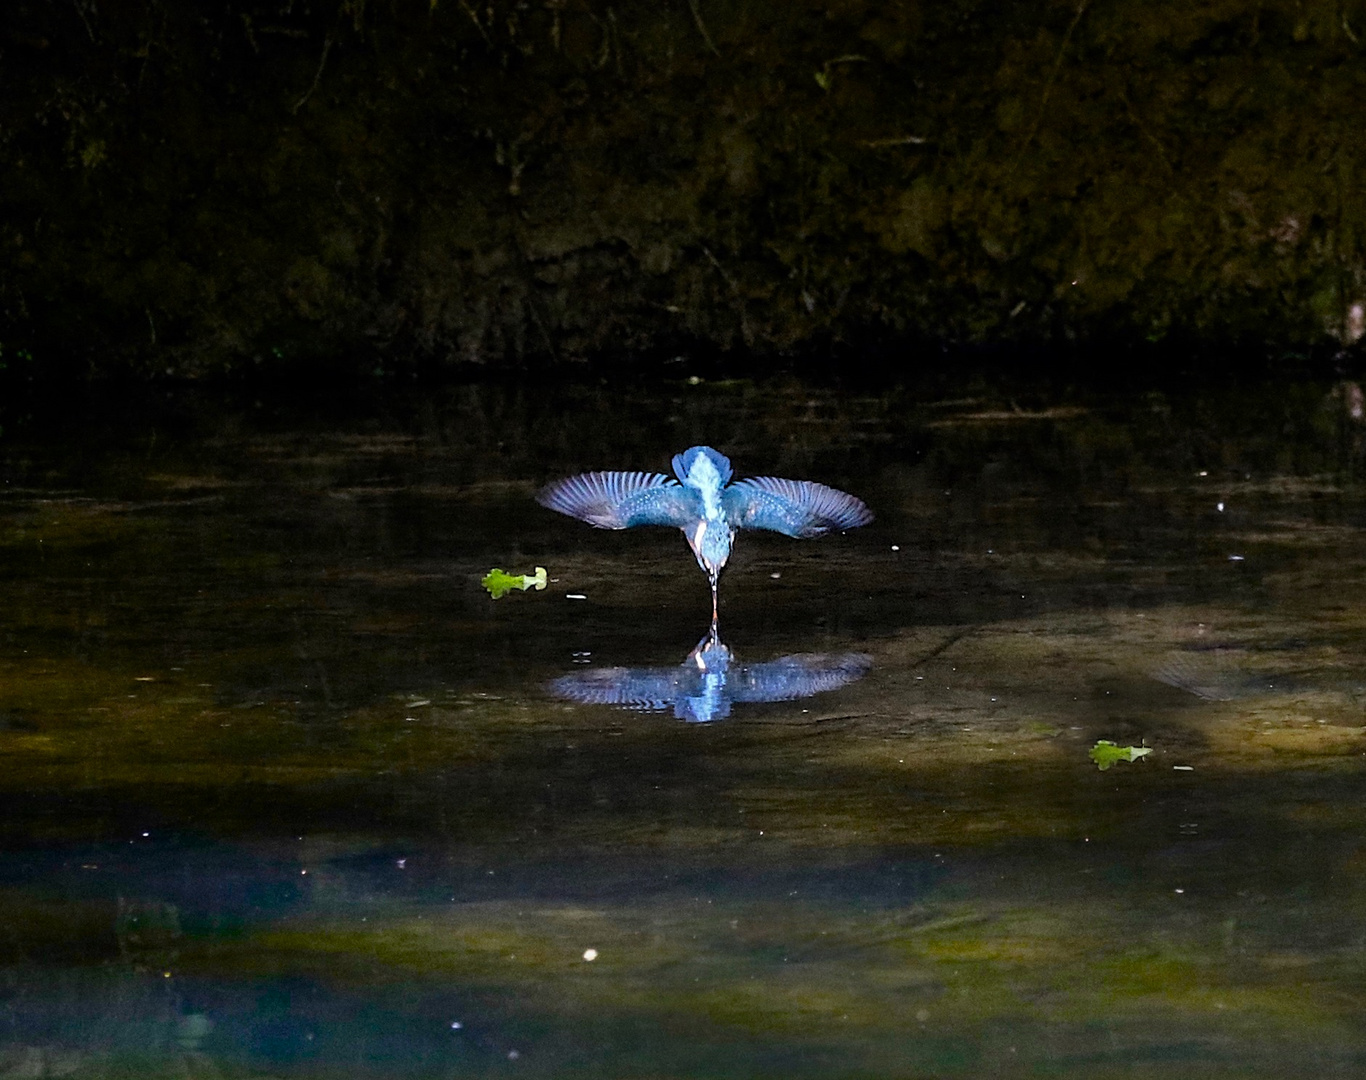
(618, 500)
(792, 507)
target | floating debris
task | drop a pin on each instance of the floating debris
(1105, 753)
(499, 583)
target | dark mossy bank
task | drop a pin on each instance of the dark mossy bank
(204, 186)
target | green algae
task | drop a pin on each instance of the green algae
(499, 583)
(808, 973)
(1105, 753)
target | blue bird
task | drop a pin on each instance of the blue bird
(705, 505)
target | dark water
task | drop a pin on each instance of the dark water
(287, 794)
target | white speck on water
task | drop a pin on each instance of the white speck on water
(1178, 891)
(1219, 507)
(1236, 558)
(146, 834)
(513, 1055)
(896, 547)
(574, 596)
(590, 955)
(1202, 472)
(1184, 768)
(456, 1025)
(402, 863)
(775, 577)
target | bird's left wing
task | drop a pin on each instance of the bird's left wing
(792, 507)
(618, 500)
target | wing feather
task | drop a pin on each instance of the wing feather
(793, 507)
(619, 500)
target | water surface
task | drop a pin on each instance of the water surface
(287, 794)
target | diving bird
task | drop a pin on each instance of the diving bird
(705, 505)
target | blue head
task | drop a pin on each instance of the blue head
(711, 542)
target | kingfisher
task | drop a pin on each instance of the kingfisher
(705, 505)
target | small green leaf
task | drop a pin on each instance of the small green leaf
(499, 583)
(1105, 753)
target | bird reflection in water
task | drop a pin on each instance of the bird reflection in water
(709, 681)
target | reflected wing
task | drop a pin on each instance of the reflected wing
(792, 507)
(794, 677)
(1218, 677)
(629, 688)
(618, 500)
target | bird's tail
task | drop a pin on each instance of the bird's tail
(685, 462)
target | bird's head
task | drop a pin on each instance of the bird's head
(710, 542)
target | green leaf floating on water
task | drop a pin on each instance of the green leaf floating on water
(1105, 753)
(499, 583)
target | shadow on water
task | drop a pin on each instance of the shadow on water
(286, 793)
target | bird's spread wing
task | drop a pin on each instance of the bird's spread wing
(618, 500)
(792, 507)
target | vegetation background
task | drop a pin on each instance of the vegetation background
(192, 186)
